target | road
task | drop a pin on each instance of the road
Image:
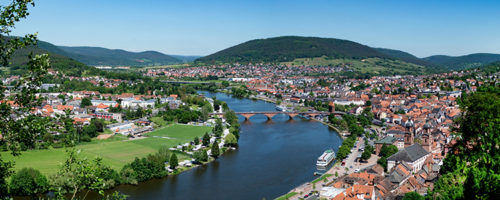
(350, 165)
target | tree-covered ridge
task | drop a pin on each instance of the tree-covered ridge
(19, 60)
(463, 62)
(288, 48)
(116, 57)
(404, 56)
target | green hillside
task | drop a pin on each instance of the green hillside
(95, 56)
(288, 48)
(404, 56)
(364, 67)
(58, 62)
(463, 62)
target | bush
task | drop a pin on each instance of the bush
(231, 140)
(85, 138)
(28, 181)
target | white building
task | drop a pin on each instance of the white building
(414, 156)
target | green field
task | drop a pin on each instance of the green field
(116, 151)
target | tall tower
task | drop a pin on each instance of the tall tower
(408, 139)
(331, 107)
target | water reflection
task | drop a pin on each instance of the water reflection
(273, 157)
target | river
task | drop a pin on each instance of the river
(273, 157)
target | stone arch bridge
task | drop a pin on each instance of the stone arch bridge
(271, 114)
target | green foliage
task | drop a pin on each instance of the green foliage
(215, 150)
(206, 139)
(413, 196)
(388, 150)
(231, 140)
(173, 161)
(77, 174)
(385, 152)
(463, 62)
(5, 171)
(239, 92)
(471, 169)
(404, 56)
(28, 181)
(218, 129)
(20, 132)
(200, 156)
(85, 102)
(287, 48)
(367, 153)
(183, 115)
(102, 56)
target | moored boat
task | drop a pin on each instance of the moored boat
(325, 159)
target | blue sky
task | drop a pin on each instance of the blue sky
(186, 27)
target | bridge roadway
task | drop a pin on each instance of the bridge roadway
(290, 114)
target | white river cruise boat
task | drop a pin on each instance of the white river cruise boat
(325, 159)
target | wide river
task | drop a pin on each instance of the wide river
(273, 157)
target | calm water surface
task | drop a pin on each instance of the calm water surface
(273, 157)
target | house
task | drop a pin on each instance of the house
(400, 173)
(357, 192)
(108, 116)
(414, 156)
(389, 140)
(122, 128)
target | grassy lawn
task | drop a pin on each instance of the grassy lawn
(115, 151)
(179, 131)
(286, 196)
(322, 178)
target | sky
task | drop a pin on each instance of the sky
(188, 27)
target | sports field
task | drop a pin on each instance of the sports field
(115, 151)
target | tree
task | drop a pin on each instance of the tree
(218, 129)
(206, 140)
(196, 140)
(173, 161)
(231, 140)
(471, 169)
(28, 181)
(388, 150)
(367, 153)
(77, 174)
(85, 102)
(200, 156)
(215, 150)
(20, 131)
(413, 196)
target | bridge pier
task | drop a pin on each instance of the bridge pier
(292, 115)
(270, 115)
(247, 116)
(312, 115)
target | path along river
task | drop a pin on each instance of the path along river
(273, 157)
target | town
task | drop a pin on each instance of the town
(312, 100)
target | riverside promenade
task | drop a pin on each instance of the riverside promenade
(350, 167)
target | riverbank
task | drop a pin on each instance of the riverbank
(341, 133)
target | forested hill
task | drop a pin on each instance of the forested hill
(288, 48)
(116, 57)
(407, 57)
(463, 62)
(58, 60)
